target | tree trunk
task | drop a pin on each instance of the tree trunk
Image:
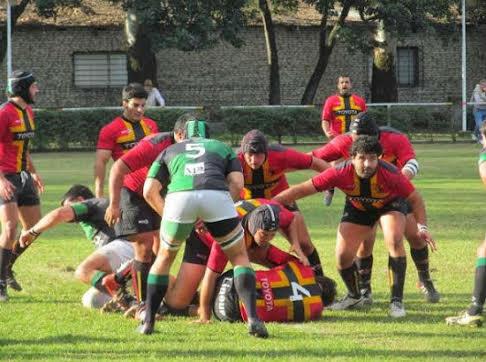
(16, 11)
(141, 58)
(272, 54)
(383, 80)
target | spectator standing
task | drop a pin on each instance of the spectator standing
(479, 110)
(154, 97)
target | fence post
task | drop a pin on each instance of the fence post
(388, 115)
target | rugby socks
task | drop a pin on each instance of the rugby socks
(97, 281)
(16, 252)
(156, 288)
(421, 259)
(364, 267)
(315, 263)
(350, 279)
(397, 268)
(140, 272)
(122, 275)
(245, 284)
(5, 257)
(479, 294)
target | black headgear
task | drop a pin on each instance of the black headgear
(263, 217)
(18, 85)
(254, 142)
(363, 124)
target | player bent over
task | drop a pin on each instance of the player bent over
(80, 206)
(473, 315)
(375, 191)
(202, 175)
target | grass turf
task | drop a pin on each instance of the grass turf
(47, 322)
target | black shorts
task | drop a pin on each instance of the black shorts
(292, 207)
(25, 192)
(226, 306)
(195, 252)
(137, 216)
(409, 208)
(369, 218)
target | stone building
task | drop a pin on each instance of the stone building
(60, 52)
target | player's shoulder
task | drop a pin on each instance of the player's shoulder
(344, 139)
(7, 107)
(391, 131)
(388, 167)
(159, 137)
(116, 122)
(343, 166)
(278, 149)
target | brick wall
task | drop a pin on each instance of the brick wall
(227, 76)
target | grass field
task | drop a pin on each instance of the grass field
(47, 322)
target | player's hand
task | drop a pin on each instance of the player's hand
(26, 238)
(112, 215)
(7, 189)
(39, 184)
(427, 236)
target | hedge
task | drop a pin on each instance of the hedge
(78, 130)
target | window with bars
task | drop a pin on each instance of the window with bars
(100, 70)
(407, 67)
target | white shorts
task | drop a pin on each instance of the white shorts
(184, 207)
(118, 252)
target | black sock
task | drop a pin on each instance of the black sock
(350, 278)
(156, 288)
(315, 263)
(5, 257)
(479, 294)
(364, 267)
(17, 251)
(122, 275)
(421, 259)
(97, 280)
(140, 272)
(397, 268)
(245, 284)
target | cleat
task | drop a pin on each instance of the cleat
(111, 306)
(367, 296)
(465, 319)
(110, 284)
(397, 310)
(12, 282)
(348, 302)
(328, 195)
(3, 291)
(257, 328)
(428, 290)
(146, 328)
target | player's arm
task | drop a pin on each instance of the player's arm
(39, 184)
(236, 183)
(115, 183)
(406, 157)
(418, 206)
(296, 192)
(157, 177)
(291, 233)
(60, 215)
(206, 295)
(102, 157)
(319, 165)
(482, 169)
(326, 128)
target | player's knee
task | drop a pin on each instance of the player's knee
(94, 299)
(395, 245)
(81, 274)
(481, 252)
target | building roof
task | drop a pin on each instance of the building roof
(99, 13)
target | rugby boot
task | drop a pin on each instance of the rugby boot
(146, 328)
(328, 195)
(428, 290)
(465, 319)
(12, 282)
(3, 291)
(367, 296)
(348, 302)
(257, 328)
(397, 309)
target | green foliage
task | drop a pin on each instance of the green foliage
(48, 8)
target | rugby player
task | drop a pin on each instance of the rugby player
(264, 167)
(128, 212)
(20, 182)
(202, 176)
(286, 293)
(375, 191)
(397, 150)
(473, 315)
(79, 205)
(122, 133)
(340, 109)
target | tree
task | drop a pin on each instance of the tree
(182, 24)
(383, 20)
(45, 8)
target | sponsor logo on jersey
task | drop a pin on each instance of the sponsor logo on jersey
(225, 288)
(23, 135)
(345, 112)
(125, 131)
(193, 169)
(267, 294)
(17, 121)
(144, 221)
